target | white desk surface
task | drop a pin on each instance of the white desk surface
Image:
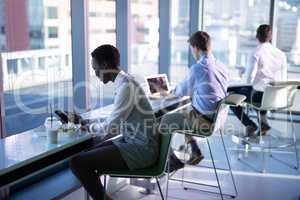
(24, 148)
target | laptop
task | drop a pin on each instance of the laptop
(158, 86)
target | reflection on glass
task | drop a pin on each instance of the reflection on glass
(288, 38)
(102, 30)
(144, 38)
(232, 26)
(288, 30)
(35, 40)
(179, 35)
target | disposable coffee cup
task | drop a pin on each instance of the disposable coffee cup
(52, 126)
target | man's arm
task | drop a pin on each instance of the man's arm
(284, 68)
(185, 87)
(123, 105)
(252, 69)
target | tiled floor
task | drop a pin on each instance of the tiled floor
(280, 182)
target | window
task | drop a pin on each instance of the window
(52, 12)
(26, 64)
(102, 30)
(52, 32)
(41, 63)
(12, 66)
(232, 26)
(34, 75)
(179, 35)
(287, 31)
(144, 37)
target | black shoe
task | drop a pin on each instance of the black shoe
(265, 128)
(251, 131)
(195, 159)
(175, 164)
(181, 148)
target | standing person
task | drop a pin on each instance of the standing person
(267, 64)
(132, 119)
(206, 84)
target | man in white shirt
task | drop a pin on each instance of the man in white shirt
(267, 64)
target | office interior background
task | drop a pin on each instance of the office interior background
(45, 47)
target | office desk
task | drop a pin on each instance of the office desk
(28, 152)
(24, 154)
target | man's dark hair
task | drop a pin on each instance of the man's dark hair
(107, 54)
(201, 40)
(264, 33)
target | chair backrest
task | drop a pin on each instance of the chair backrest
(222, 109)
(165, 141)
(278, 97)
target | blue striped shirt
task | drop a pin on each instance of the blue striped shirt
(206, 83)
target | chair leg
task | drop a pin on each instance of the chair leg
(184, 156)
(215, 170)
(161, 194)
(168, 175)
(104, 187)
(295, 140)
(86, 195)
(229, 166)
(261, 143)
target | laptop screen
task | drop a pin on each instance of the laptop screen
(158, 84)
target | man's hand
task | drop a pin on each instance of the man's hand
(164, 93)
(66, 117)
(74, 118)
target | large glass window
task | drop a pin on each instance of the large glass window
(35, 60)
(287, 34)
(288, 31)
(102, 30)
(232, 26)
(179, 35)
(144, 37)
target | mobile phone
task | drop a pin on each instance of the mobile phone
(66, 117)
(62, 116)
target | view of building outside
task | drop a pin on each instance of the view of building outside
(35, 44)
(102, 30)
(232, 26)
(180, 19)
(288, 31)
(143, 38)
(288, 38)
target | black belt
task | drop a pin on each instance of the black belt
(202, 115)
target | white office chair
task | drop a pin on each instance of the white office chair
(218, 124)
(277, 96)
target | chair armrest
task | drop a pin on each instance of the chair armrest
(234, 99)
(284, 83)
(240, 85)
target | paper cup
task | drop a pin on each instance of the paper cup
(52, 125)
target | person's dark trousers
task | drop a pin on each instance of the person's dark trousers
(101, 157)
(252, 96)
(195, 149)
